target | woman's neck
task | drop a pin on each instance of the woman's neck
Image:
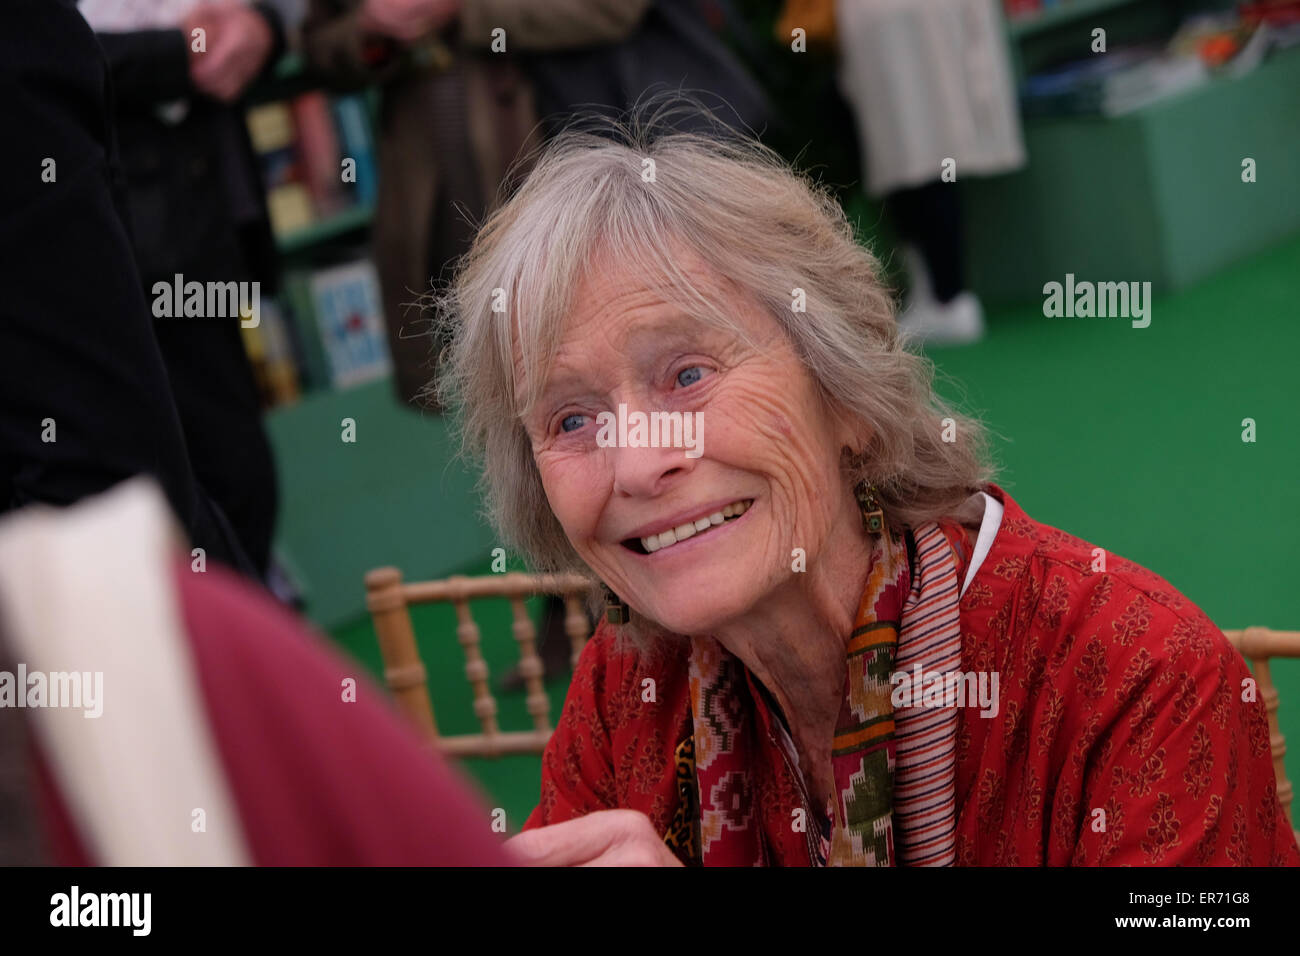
(795, 642)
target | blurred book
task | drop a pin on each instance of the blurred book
(290, 208)
(301, 146)
(349, 318)
(318, 153)
(274, 138)
(305, 338)
(270, 353)
(1227, 42)
(1119, 82)
(1079, 85)
(352, 120)
(1151, 81)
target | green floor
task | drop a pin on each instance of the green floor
(1129, 438)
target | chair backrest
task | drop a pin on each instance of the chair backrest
(389, 601)
(1257, 645)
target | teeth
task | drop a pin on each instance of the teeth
(657, 542)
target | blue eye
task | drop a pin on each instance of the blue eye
(572, 423)
(689, 376)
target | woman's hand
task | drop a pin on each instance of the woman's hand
(603, 838)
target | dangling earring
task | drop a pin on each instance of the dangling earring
(873, 519)
(616, 609)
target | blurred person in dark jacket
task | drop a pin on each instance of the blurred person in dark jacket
(85, 400)
(197, 209)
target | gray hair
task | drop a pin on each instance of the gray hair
(640, 194)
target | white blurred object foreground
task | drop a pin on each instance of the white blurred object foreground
(89, 588)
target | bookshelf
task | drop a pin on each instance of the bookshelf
(339, 225)
(326, 329)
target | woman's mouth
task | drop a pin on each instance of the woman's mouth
(690, 529)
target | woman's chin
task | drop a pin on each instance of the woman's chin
(699, 613)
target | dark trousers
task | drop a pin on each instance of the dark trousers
(929, 217)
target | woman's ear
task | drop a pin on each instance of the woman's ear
(854, 437)
(850, 433)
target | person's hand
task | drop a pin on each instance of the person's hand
(604, 838)
(407, 20)
(237, 44)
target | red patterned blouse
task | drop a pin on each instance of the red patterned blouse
(1122, 736)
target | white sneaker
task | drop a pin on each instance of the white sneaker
(918, 275)
(959, 321)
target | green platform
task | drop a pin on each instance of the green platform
(1154, 196)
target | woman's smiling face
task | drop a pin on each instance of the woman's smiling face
(769, 445)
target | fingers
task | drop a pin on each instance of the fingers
(569, 843)
(635, 856)
(604, 838)
(237, 44)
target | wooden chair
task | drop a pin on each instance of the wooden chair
(1257, 645)
(388, 600)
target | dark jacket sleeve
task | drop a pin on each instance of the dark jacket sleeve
(147, 66)
(84, 398)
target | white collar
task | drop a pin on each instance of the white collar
(989, 526)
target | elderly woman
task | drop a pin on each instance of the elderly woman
(830, 639)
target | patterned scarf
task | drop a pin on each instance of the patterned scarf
(894, 768)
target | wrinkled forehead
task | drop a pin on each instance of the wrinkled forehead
(687, 286)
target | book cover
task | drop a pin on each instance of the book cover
(303, 332)
(350, 320)
(274, 368)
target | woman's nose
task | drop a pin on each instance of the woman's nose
(647, 472)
